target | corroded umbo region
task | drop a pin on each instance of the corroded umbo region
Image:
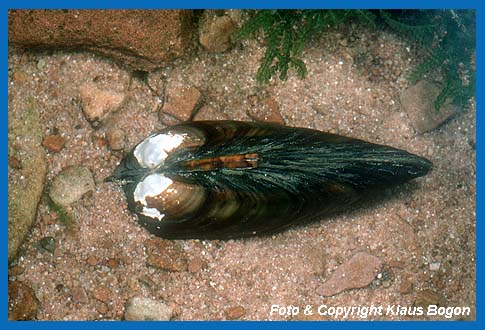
(225, 179)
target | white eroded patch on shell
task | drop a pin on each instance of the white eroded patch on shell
(152, 151)
(153, 185)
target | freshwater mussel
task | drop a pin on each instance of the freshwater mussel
(228, 179)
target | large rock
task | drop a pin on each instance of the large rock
(143, 39)
(418, 102)
(25, 184)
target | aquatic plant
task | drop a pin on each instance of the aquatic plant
(445, 37)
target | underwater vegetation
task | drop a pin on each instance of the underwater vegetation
(445, 37)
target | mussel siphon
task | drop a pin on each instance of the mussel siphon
(228, 179)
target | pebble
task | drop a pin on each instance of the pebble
(102, 308)
(116, 138)
(41, 64)
(166, 255)
(145, 309)
(357, 272)
(406, 287)
(418, 102)
(54, 143)
(79, 295)
(266, 110)
(22, 302)
(113, 262)
(98, 140)
(215, 32)
(455, 286)
(196, 265)
(14, 163)
(97, 103)
(102, 294)
(20, 76)
(384, 278)
(92, 260)
(434, 266)
(47, 244)
(71, 184)
(181, 101)
(439, 281)
(236, 312)
(57, 252)
(427, 297)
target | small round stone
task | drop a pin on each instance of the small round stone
(71, 184)
(116, 139)
(141, 309)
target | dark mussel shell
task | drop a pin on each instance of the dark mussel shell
(228, 179)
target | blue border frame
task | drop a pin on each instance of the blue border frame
(221, 4)
(140, 4)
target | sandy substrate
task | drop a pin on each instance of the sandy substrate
(423, 232)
